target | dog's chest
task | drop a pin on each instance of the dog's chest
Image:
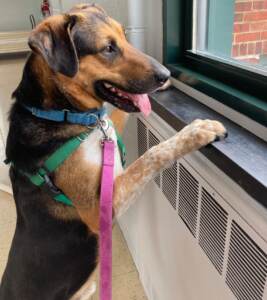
(92, 149)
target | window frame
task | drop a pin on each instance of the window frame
(239, 88)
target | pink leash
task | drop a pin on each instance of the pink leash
(106, 195)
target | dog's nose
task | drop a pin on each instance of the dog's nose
(162, 76)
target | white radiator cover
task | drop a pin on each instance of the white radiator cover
(194, 234)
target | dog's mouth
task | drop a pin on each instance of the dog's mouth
(123, 100)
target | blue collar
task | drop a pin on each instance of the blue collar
(82, 118)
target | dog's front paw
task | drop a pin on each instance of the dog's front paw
(204, 132)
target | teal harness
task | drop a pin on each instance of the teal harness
(42, 177)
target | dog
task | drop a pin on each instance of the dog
(79, 60)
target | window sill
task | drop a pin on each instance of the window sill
(242, 156)
(246, 104)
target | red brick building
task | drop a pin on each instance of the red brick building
(250, 30)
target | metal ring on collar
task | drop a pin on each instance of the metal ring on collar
(96, 120)
(104, 124)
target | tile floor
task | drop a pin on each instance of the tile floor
(126, 284)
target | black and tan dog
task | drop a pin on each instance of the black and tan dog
(78, 61)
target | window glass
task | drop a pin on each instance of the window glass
(233, 30)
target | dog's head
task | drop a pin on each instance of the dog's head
(91, 60)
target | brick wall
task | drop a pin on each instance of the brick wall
(250, 30)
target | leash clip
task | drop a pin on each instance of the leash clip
(103, 125)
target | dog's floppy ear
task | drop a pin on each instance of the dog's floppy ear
(52, 39)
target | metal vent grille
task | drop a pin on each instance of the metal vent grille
(247, 266)
(142, 137)
(169, 184)
(188, 199)
(213, 227)
(153, 141)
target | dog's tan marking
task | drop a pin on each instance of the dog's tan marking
(82, 190)
(79, 177)
(119, 119)
(79, 90)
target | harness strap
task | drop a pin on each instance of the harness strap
(122, 148)
(41, 177)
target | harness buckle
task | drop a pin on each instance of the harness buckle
(83, 137)
(49, 186)
(66, 111)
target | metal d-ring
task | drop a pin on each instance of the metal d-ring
(96, 121)
(102, 124)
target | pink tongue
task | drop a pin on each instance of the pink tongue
(142, 102)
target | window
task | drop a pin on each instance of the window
(222, 46)
(234, 31)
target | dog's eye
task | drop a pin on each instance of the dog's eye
(111, 51)
(110, 48)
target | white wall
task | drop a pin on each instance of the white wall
(154, 33)
(14, 14)
(115, 8)
(149, 17)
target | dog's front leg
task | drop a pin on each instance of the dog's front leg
(137, 175)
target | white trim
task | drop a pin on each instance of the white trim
(14, 41)
(201, 24)
(233, 115)
(233, 62)
(6, 188)
(257, 56)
